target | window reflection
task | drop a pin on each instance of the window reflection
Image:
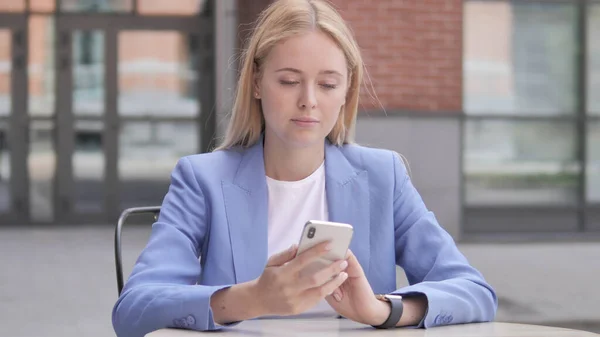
(41, 166)
(96, 5)
(593, 167)
(12, 6)
(520, 163)
(5, 176)
(5, 72)
(148, 152)
(88, 164)
(161, 7)
(88, 73)
(593, 34)
(5, 110)
(520, 58)
(157, 76)
(41, 73)
(42, 5)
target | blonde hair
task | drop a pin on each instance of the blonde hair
(281, 20)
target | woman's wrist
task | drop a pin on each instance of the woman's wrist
(236, 303)
(252, 299)
(415, 308)
(380, 313)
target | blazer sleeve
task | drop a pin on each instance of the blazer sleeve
(162, 290)
(455, 291)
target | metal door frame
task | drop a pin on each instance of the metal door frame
(17, 121)
(199, 26)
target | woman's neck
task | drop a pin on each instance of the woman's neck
(291, 163)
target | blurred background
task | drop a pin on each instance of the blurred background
(495, 104)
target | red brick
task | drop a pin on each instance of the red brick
(412, 50)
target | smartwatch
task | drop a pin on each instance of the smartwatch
(395, 302)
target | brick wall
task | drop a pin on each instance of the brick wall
(248, 11)
(413, 50)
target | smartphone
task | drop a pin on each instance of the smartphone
(315, 232)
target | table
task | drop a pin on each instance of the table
(331, 327)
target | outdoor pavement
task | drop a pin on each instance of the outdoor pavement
(61, 281)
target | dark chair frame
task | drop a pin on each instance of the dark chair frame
(122, 218)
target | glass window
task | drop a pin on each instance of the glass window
(593, 42)
(5, 110)
(179, 7)
(96, 5)
(88, 73)
(42, 6)
(12, 5)
(41, 163)
(157, 75)
(148, 152)
(5, 176)
(520, 58)
(517, 163)
(88, 159)
(88, 163)
(593, 166)
(41, 73)
(5, 72)
(157, 78)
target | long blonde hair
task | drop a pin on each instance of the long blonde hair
(281, 20)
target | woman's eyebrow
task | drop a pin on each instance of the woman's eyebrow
(294, 70)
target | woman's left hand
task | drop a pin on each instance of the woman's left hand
(356, 298)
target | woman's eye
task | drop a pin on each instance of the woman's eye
(284, 82)
(329, 86)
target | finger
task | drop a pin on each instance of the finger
(308, 256)
(281, 258)
(322, 276)
(329, 287)
(354, 268)
(337, 294)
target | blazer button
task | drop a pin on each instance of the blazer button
(190, 320)
(442, 319)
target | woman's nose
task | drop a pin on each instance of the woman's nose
(308, 98)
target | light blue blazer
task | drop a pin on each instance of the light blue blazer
(216, 210)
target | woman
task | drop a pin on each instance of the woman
(288, 158)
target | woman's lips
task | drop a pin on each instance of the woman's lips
(305, 121)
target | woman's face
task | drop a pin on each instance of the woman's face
(302, 89)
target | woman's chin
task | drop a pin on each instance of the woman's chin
(305, 139)
(298, 138)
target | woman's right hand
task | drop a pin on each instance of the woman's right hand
(283, 290)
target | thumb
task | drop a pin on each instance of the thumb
(281, 258)
(354, 268)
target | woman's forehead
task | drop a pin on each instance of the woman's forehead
(312, 52)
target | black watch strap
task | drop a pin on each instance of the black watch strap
(395, 302)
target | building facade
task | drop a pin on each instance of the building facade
(495, 104)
